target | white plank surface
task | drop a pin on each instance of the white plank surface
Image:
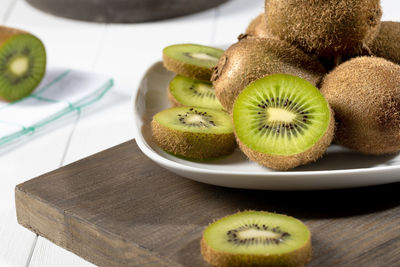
(122, 51)
(48, 254)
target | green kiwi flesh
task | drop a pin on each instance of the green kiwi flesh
(254, 238)
(282, 121)
(253, 58)
(191, 60)
(192, 132)
(22, 64)
(387, 43)
(325, 27)
(364, 93)
(183, 91)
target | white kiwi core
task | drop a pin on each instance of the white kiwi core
(254, 233)
(19, 65)
(203, 56)
(280, 115)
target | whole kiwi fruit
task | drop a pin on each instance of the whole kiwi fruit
(253, 58)
(364, 92)
(325, 27)
(258, 27)
(387, 42)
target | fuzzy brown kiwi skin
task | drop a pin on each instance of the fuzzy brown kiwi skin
(188, 70)
(192, 145)
(387, 42)
(365, 95)
(172, 99)
(253, 58)
(258, 27)
(308, 24)
(297, 258)
(286, 162)
(6, 33)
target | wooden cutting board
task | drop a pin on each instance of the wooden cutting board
(118, 208)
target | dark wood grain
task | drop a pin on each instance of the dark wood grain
(119, 208)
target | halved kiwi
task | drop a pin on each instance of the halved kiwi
(191, 60)
(387, 43)
(191, 132)
(183, 91)
(22, 63)
(253, 58)
(254, 238)
(325, 27)
(364, 92)
(282, 121)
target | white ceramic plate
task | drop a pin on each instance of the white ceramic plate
(340, 168)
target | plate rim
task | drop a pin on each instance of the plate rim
(153, 155)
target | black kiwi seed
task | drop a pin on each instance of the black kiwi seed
(207, 119)
(233, 235)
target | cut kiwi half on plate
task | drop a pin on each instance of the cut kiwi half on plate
(192, 60)
(255, 238)
(192, 132)
(282, 121)
(22, 63)
(184, 91)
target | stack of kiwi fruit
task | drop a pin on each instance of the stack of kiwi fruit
(303, 74)
(22, 63)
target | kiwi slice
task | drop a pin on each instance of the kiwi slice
(183, 91)
(22, 63)
(191, 132)
(282, 121)
(191, 60)
(387, 43)
(325, 27)
(364, 93)
(254, 238)
(253, 58)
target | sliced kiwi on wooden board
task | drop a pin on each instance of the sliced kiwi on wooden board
(282, 121)
(254, 238)
(253, 58)
(192, 132)
(191, 60)
(184, 91)
(22, 63)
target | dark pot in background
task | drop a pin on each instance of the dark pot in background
(124, 11)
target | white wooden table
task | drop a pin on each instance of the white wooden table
(123, 51)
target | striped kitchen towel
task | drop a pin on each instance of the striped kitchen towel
(61, 92)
